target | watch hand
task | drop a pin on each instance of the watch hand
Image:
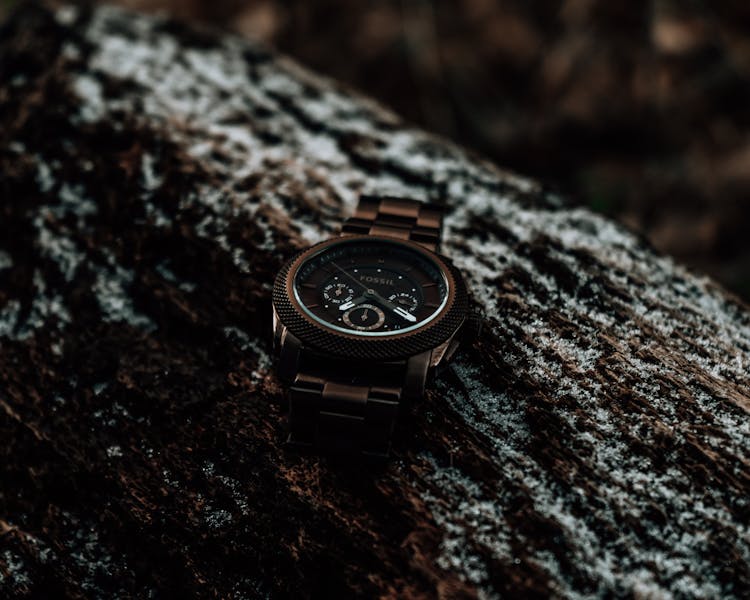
(406, 315)
(359, 283)
(387, 303)
(348, 305)
(392, 307)
(377, 297)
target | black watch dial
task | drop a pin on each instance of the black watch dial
(371, 287)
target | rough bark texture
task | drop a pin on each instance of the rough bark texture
(595, 441)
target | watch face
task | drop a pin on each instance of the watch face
(371, 287)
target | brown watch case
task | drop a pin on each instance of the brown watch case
(320, 338)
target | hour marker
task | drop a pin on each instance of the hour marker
(430, 305)
(424, 285)
(308, 285)
(315, 305)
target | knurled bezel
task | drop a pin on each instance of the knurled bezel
(317, 336)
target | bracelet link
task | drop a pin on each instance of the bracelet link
(401, 218)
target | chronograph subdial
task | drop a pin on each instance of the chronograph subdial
(337, 292)
(405, 300)
(364, 317)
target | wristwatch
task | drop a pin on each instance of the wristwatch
(360, 320)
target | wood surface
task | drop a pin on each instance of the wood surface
(154, 177)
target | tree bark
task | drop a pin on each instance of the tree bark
(594, 441)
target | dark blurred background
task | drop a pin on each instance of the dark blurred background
(638, 109)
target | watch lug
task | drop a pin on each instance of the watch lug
(443, 353)
(439, 352)
(416, 375)
(467, 333)
(454, 344)
(288, 348)
(278, 328)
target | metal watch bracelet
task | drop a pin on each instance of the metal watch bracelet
(353, 406)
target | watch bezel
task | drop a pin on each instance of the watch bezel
(315, 334)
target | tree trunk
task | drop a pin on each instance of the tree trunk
(595, 440)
